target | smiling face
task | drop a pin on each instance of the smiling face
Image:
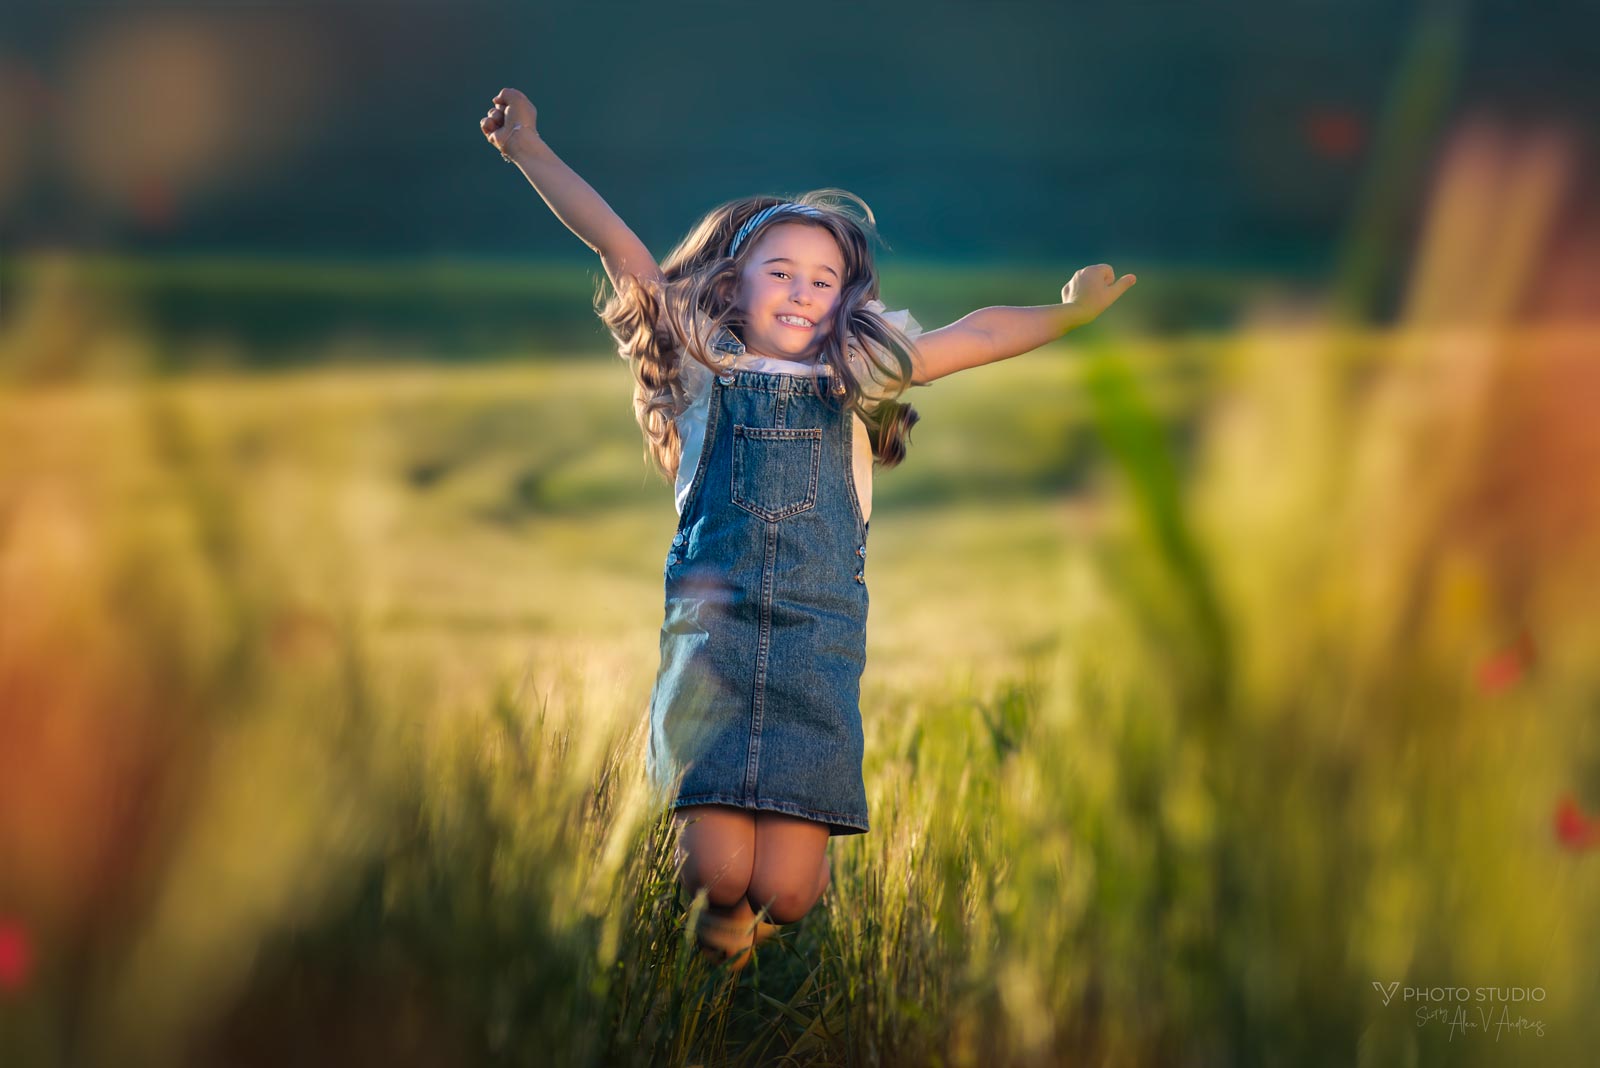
(788, 289)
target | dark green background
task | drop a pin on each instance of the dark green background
(999, 130)
(1187, 142)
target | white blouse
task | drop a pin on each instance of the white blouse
(696, 380)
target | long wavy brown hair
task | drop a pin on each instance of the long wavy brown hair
(657, 326)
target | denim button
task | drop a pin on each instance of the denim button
(860, 579)
(726, 380)
(677, 539)
(861, 551)
(672, 558)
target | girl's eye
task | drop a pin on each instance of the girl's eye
(780, 274)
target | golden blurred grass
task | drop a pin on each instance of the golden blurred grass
(1211, 682)
(314, 603)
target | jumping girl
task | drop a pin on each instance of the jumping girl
(766, 373)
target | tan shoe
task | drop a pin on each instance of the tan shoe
(724, 941)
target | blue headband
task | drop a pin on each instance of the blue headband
(766, 213)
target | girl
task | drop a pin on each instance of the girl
(765, 374)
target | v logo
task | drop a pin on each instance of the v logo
(1387, 993)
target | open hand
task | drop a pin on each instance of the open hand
(512, 122)
(1096, 288)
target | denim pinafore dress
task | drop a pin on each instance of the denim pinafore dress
(756, 702)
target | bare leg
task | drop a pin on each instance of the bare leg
(716, 847)
(790, 865)
(765, 930)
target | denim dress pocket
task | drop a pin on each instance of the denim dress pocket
(775, 470)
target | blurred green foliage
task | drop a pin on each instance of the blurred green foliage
(1141, 792)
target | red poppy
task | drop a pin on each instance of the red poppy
(1333, 133)
(1506, 667)
(1574, 828)
(16, 955)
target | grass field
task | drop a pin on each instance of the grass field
(1215, 682)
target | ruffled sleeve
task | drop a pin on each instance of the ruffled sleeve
(694, 376)
(875, 384)
(901, 320)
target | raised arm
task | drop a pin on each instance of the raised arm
(511, 127)
(989, 335)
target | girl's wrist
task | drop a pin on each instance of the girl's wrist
(1074, 315)
(523, 147)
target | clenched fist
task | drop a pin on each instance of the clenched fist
(511, 123)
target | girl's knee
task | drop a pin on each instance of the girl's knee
(725, 884)
(716, 851)
(784, 903)
(791, 869)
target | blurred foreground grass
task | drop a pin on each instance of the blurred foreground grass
(1214, 685)
(323, 697)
